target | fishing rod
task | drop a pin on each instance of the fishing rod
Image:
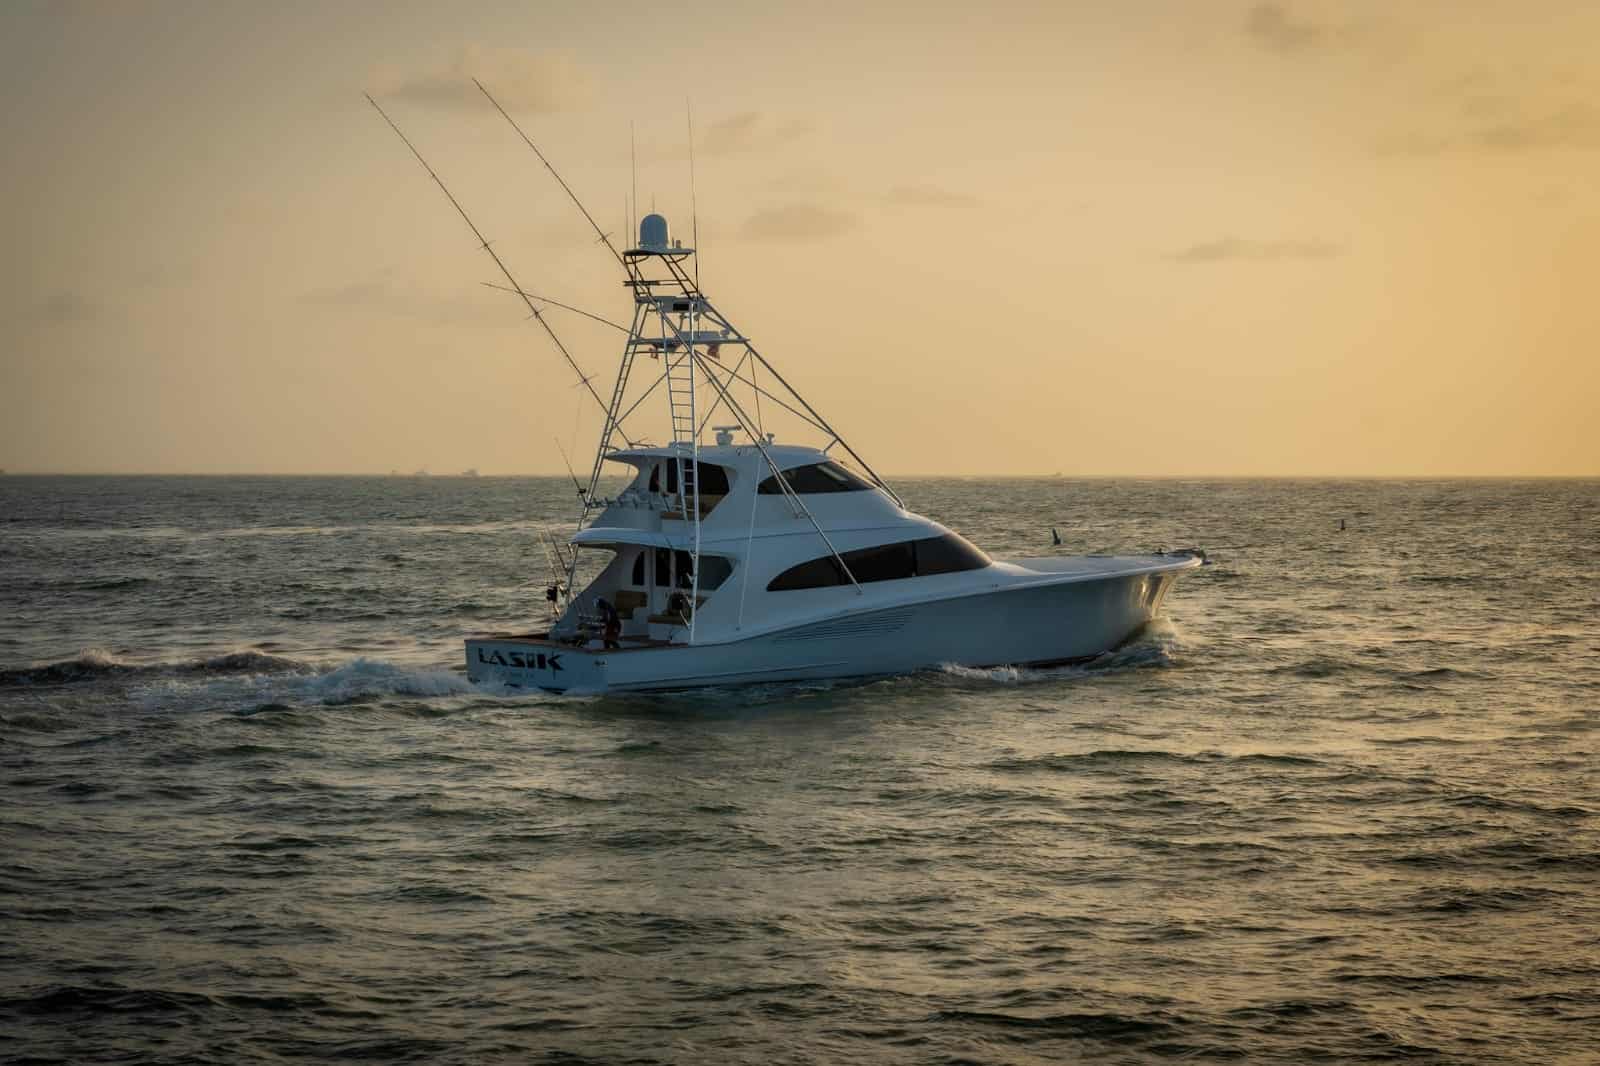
(484, 244)
(553, 590)
(570, 472)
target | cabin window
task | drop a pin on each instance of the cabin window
(713, 478)
(684, 569)
(675, 569)
(714, 570)
(638, 569)
(813, 574)
(816, 478)
(947, 554)
(889, 562)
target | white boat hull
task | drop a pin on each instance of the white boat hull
(1018, 623)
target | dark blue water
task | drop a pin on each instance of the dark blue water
(1341, 805)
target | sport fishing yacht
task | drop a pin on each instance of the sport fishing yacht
(750, 559)
(745, 559)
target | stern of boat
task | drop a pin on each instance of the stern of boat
(534, 662)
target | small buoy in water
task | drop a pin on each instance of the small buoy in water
(1341, 525)
(1055, 538)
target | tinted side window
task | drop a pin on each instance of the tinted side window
(948, 554)
(714, 570)
(816, 478)
(812, 574)
(713, 480)
(663, 567)
(638, 569)
(887, 562)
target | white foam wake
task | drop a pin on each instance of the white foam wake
(373, 677)
(358, 679)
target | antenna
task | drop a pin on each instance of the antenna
(574, 196)
(694, 204)
(484, 244)
(633, 159)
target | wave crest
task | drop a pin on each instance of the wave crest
(93, 664)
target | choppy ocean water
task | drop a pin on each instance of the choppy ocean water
(1342, 804)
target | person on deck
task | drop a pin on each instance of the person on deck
(611, 624)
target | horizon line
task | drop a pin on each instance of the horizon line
(1057, 476)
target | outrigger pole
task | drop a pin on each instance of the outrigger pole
(557, 303)
(484, 244)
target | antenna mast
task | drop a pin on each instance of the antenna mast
(694, 203)
(484, 244)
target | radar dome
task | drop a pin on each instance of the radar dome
(653, 234)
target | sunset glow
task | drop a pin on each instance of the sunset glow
(1152, 239)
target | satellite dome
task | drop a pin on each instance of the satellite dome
(653, 235)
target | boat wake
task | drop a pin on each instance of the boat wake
(244, 680)
(355, 681)
(95, 664)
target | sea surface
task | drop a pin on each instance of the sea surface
(1342, 804)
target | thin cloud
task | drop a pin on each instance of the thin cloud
(540, 82)
(929, 196)
(383, 297)
(798, 222)
(1235, 249)
(732, 133)
(1574, 126)
(1274, 26)
(1278, 28)
(751, 131)
(64, 307)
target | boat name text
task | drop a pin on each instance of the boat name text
(528, 661)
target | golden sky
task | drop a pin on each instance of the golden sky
(1157, 238)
